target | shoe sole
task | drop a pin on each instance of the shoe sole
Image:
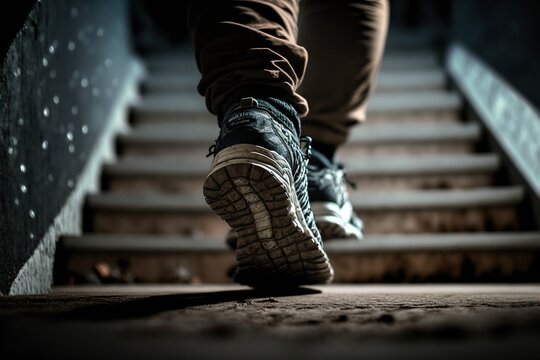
(252, 189)
(334, 222)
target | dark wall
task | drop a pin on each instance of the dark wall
(414, 14)
(58, 82)
(505, 34)
(12, 20)
(158, 26)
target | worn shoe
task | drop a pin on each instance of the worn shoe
(257, 183)
(330, 204)
(332, 209)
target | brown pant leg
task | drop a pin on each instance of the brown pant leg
(249, 45)
(345, 42)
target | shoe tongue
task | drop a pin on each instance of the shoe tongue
(320, 161)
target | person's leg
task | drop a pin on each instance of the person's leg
(251, 66)
(345, 41)
(247, 46)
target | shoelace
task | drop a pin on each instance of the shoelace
(301, 185)
(305, 146)
(346, 177)
(212, 149)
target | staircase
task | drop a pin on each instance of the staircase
(435, 198)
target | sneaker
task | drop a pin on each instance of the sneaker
(258, 184)
(332, 209)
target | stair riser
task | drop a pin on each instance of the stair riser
(183, 184)
(210, 267)
(376, 222)
(348, 152)
(428, 116)
(444, 221)
(414, 266)
(155, 222)
(143, 118)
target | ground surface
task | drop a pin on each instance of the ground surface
(431, 321)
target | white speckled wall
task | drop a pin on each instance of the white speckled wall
(60, 79)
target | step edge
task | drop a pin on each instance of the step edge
(469, 164)
(409, 200)
(517, 241)
(369, 135)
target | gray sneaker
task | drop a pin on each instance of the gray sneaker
(330, 202)
(258, 184)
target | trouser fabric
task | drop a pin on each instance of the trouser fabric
(325, 53)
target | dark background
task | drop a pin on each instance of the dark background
(506, 35)
(12, 21)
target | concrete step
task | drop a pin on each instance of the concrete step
(481, 209)
(169, 174)
(403, 39)
(411, 80)
(191, 140)
(390, 80)
(184, 62)
(388, 106)
(398, 258)
(167, 83)
(404, 60)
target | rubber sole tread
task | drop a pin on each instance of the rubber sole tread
(273, 250)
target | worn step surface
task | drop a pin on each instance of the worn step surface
(403, 258)
(170, 174)
(482, 209)
(407, 106)
(192, 140)
(380, 322)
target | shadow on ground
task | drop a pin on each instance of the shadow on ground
(394, 322)
(107, 307)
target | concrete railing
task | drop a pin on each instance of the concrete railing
(512, 121)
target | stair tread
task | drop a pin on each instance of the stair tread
(387, 80)
(427, 199)
(373, 243)
(416, 78)
(197, 132)
(382, 102)
(180, 61)
(164, 81)
(380, 165)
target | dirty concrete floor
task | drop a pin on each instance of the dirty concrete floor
(390, 321)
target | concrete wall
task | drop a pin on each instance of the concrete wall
(59, 80)
(505, 34)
